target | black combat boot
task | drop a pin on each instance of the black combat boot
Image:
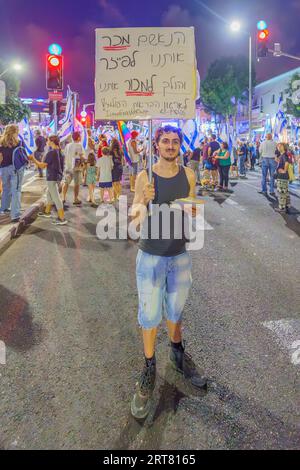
(184, 364)
(140, 405)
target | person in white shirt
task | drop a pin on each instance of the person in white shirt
(105, 166)
(267, 152)
(134, 154)
(74, 160)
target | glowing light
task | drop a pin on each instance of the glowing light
(261, 25)
(263, 34)
(55, 49)
(235, 26)
(54, 61)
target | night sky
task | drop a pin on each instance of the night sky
(28, 27)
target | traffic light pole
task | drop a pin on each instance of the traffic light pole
(55, 116)
(250, 88)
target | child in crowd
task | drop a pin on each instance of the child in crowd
(105, 166)
(91, 177)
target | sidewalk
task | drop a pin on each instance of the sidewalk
(32, 201)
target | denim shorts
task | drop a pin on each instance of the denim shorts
(163, 284)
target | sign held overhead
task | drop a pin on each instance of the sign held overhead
(145, 73)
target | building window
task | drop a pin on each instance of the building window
(273, 99)
(261, 105)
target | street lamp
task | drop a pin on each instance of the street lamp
(17, 67)
(235, 26)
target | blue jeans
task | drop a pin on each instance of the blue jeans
(11, 195)
(268, 164)
(242, 168)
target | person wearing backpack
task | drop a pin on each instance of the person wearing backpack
(54, 162)
(13, 160)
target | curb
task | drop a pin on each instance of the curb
(26, 219)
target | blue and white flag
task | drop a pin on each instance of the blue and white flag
(51, 127)
(67, 122)
(280, 119)
(69, 109)
(190, 135)
(83, 132)
(26, 134)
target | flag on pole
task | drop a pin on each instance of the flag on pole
(83, 132)
(280, 119)
(51, 127)
(124, 136)
(67, 122)
(26, 134)
(190, 134)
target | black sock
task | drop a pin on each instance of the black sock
(150, 361)
(177, 346)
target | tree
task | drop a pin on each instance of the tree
(13, 110)
(225, 85)
(292, 105)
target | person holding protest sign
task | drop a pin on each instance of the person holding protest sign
(163, 267)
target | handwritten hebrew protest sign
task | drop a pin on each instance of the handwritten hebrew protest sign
(145, 73)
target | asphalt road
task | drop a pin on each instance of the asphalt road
(68, 307)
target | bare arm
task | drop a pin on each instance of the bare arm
(285, 169)
(37, 163)
(144, 193)
(224, 156)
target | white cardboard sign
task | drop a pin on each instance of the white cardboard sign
(145, 73)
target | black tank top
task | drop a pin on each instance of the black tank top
(166, 191)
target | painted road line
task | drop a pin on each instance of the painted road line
(230, 202)
(28, 182)
(288, 336)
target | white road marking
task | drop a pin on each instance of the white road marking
(230, 202)
(287, 335)
(28, 182)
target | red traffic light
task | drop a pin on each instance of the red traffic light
(262, 35)
(54, 72)
(54, 61)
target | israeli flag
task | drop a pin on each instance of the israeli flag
(83, 132)
(190, 134)
(280, 119)
(65, 131)
(68, 117)
(26, 134)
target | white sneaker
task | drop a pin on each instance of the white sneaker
(60, 222)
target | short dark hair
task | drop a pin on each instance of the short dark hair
(213, 136)
(105, 151)
(76, 135)
(225, 145)
(165, 130)
(55, 139)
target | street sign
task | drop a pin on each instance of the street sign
(145, 73)
(2, 92)
(55, 96)
(277, 49)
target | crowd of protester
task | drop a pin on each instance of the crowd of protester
(100, 166)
